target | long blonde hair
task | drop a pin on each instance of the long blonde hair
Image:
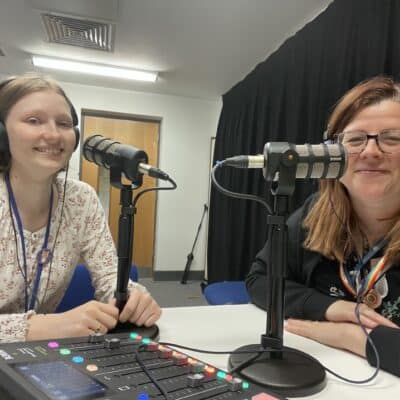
(333, 228)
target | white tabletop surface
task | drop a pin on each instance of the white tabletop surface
(228, 327)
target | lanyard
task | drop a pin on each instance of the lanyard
(360, 287)
(43, 256)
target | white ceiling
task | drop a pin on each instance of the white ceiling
(201, 47)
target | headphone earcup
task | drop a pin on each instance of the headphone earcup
(77, 136)
(3, 138)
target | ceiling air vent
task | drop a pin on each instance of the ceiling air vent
(79, 32)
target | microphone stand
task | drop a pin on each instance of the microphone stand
(282, 369)
(190, 255)
(125, 250)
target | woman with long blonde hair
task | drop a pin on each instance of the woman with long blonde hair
(48, 223)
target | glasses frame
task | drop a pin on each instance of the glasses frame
(338, 138)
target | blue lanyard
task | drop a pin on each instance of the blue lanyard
(43, 256)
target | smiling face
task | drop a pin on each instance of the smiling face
(40, 134)
(373, 177)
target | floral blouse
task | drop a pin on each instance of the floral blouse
(83, 233)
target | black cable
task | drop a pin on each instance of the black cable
(245, 363)
(377, 368)
(261, 351)
(208, 351)
(156, 188)
(147, 372)
(236, 195)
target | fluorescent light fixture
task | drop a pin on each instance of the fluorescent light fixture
(94, 69)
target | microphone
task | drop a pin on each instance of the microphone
(108, 153)
(312, 161)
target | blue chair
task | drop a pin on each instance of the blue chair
(226, 292)
(81, 290)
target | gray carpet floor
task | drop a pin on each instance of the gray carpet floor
(174, 294)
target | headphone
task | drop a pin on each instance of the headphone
(4, 146)
(326, 139)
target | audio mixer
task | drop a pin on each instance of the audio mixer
(120, 366)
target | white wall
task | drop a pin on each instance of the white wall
(186, 128)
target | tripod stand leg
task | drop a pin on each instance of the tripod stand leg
(187, 269)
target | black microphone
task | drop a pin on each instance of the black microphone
(312, 161)
(108, 153)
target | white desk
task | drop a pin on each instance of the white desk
(231, 326)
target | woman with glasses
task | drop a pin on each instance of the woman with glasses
(344, 242)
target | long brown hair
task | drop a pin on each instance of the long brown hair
(15, 88)
(333, 228)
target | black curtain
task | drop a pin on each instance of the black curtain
(288, 98)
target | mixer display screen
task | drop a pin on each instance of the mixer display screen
(60, 381)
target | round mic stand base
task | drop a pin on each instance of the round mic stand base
(292, 373)
(151, 332)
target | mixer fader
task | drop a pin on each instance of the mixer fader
(114, 367)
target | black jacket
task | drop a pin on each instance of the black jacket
(313, 284)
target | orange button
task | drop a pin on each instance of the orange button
(92, 367)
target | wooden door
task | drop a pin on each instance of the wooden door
(143, 135)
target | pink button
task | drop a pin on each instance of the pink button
(264, 396)
(52, 345)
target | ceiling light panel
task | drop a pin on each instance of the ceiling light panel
(94, 69)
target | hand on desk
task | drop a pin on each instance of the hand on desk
(344, 311)
(342, 335)
(86, 319)
(94, 316)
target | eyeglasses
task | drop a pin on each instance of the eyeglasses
(355, 142)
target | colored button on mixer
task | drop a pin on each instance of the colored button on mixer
(264, 396)
(135, 336)
(209, 371)
(221, 375)
(179, 359)
(151, 346)
(53, 345)
(92, 367)
(165, 352)
(197, 367)
(77, 359)
(143, 396)
(65, 352)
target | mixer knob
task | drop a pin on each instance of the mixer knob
(113, 343)
(235, 384)
(96, 337)
(195, 380)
